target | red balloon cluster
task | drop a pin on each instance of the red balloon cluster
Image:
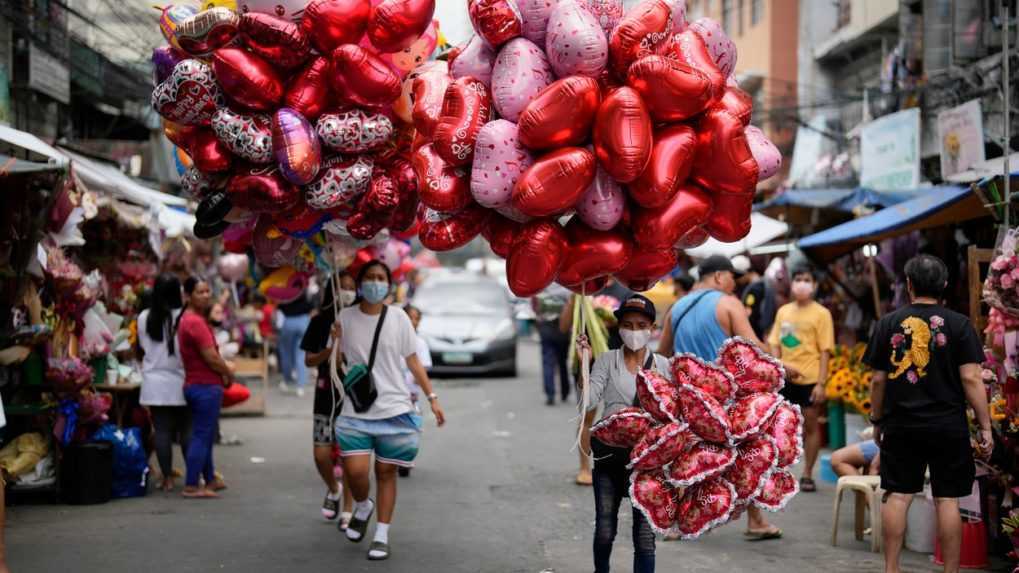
(293, 122)
(711, 441)
(633, 146)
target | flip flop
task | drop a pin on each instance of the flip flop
(807, 485)
(763, 535)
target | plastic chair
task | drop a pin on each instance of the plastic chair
(868, 494)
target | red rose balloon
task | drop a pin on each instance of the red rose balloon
(535, 258)
(672, 91)
(555, 182)
(278, 41)
(639, 34)
(445, 232)
(429, 92)
(561, 114)
(362, 78)
(661, 228)
(646, 268)
(500, 234)
(693, 238)
(364, 226)
(444, 188)
(395, 24)
(308, 90)
(655, 498)
(671, 161)
(623, 135)
(382, 197)
(497, 21)
(466, 108)
(209, 154)
(262, 191)
(331, 23)
(592, 254)
(247, 79)
(704, 507)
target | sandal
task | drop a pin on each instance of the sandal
(199, 494)
(359, 526)
(807, 485)
(584, 477)
(773, 533)
(378, 551)
(344, 521)
(331, 506)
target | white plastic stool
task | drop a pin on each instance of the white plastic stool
(868, 494)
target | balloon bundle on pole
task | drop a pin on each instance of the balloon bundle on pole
(294, 114)
(586, 143)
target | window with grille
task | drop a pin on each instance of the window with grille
(756, 11)
(727, 16)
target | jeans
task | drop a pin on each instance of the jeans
(291, 355)
(205, 401)
(171, 422)
(611, 483)
(554, 349)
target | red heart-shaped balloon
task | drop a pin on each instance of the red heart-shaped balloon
(658, 396)
(445, 232)
(646, 268)
(593, 254)
(272, 248)
(198, 184)
(730, 217)
(362, 78)
(555, 182)
(207, 31)
(278, 41)
(405, 216)
(189, 96)
(688, 48)
(779, 488)
(300, 221)
(707, 418)
(673, 91)
(591, 286)
(704, 507)
(755, 458)
(444, 188)
(308, 90)
(660, 446)
(497, 21)
(749, 414)
(724, 163)
(693, 238)
(672, 159)
(640, 33)
(707, 376)
(501, 233)
(655, 498)
(429, 92)
(662, 228)
(364, 226)
(561, 114)
(180, 135)
(623, 135)
(331, 23)
(248, 79)
(786, 428)
(737, 102)
(208, 153)
(466, 108)
(536, 257)
(262, 190)
(700, 462)
(395, 24)
(354, 131)
(623, 428)
(247, 136)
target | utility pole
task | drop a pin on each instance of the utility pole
(1008, 113)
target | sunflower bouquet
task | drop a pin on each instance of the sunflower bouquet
(849, 378)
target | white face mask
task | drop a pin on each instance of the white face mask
(347, 297)
(635, 339)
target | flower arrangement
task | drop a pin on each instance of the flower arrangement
(1002, 395)
(1001, 288)
(849, 378)
(68, 375)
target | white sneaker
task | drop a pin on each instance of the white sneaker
(284, 387)
(300, 392)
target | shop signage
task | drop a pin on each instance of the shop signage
(48, 75)
(961, 133)
(890, 151)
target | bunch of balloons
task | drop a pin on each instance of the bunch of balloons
(714, 440)
(294, 116)
(586, 143)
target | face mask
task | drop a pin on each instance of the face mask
(802, 290)
(374, 291)
(216, 323)
(347, 297)
(635, 339)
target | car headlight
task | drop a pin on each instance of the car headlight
(504, 330)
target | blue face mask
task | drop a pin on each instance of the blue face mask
(374, 291)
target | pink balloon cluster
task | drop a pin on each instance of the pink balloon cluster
(630, 122)
(294, 114)
(710, 442)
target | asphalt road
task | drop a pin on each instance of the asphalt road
(493, 493)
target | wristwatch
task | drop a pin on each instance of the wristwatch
(432, 397)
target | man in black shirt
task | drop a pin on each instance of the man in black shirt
(926, 361)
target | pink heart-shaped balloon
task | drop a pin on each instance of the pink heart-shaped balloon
(655, 498)
(786, 427)
(704, 507)
(767, 156)
(499, 161)
(575, 42)
(246, 136)
(660, 446)
(624, 428)
(705, 415)
(755, 458)
(780, 487)
(521, 71)
(608, 13)
(700, 462)
(601, 207)
(708, 377)
(658, 396)
(354, 131)
(534, 16)
(751, 412)
(753, 370)
(475, 60)
(720, 46)
(189, 96)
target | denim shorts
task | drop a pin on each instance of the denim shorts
(393, 440)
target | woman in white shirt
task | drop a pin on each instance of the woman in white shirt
(389, 427)
(614, 384)
(163, 374)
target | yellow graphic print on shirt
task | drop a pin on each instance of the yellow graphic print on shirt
(919, 352)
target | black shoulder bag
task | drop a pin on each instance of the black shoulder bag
(357, 382)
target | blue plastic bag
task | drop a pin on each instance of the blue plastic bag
(130, 464)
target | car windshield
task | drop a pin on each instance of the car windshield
(462, 298)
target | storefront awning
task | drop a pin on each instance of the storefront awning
(26, 147)
(845, 200)
(763, 230)
(933, 207)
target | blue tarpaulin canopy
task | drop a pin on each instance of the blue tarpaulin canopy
(932, 207)
(845, 200)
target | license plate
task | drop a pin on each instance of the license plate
(457, 357)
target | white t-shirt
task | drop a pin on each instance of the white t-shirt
(397, 341)
(162, 374)
(425, 356)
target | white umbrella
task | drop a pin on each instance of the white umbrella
(763, 230)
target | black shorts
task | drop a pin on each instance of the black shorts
(907, 452)
(326, 409)
(798, 394)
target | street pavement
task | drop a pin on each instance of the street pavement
(493, 492)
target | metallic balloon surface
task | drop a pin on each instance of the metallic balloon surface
(443, 187)
(718, 43)
(429, 90)
(766, 154)
(672, 91)
(362, 78)
(737, 102)
(164, 59)
(499, 161)
(646, 268)
(466, 108)
(693, 238)
(562, 114)
(658, 229)
(575, 42)
(340, 181)
(501, 233)
(300, 221)
(395, 24)
(688, 48)
(207, 31)
(475, 60)
(170, 19)
(445, 232)
(262, 191)
(724, 162)
(354, 131)
(497, 21)
(308, 90)
(209, 154)
(623, 135)
(535, 257)
(534, 16)
(641, 32)
(730, 218)
(591, 254)
(295, 146)
(671, 161)
(189, 96)
(521, 71)
(601, 207)
(248, 79)
(608, 13)
(331, 23)
(247, 136)
(278, 41)
(555, 182)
